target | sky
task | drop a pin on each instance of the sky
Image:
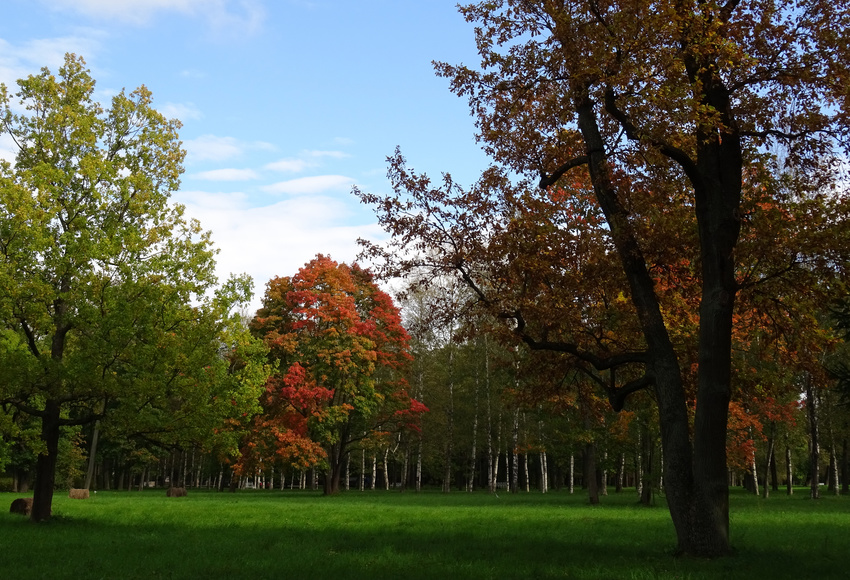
(285, 105)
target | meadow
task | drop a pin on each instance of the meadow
(383, 535)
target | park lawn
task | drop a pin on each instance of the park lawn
(383, 535)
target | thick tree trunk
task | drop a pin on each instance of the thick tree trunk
(45, 470)
(336, 460)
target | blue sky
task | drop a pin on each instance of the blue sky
(285, 104)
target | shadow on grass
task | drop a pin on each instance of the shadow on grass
(267, 536)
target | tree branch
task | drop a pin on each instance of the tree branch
(617, 396)
(547, 180)
(635, 134)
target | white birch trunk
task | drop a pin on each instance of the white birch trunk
(387, 469)
(362, 469)
(419, 466)
(525, 472)
(471, 482)
(605, 475)
(514, 455)
(491, 481)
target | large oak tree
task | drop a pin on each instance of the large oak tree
(677, 103)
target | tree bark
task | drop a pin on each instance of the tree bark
(696, 474)
(45, 469)
(92, 454)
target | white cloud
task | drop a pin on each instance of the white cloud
(227, 175)
(332, 154)
(289, 165)
(181, 111)
(8, 149)
(212, 148)
(278, 239)
(244, 15)
(28, 58)
(314, 184)
(191, 73)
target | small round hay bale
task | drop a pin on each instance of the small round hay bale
(22, 505)
(78, 493)
(176, 492)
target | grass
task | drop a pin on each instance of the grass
(380, 535)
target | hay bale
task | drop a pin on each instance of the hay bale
(176, 492)
(22, 505)
(78, 493)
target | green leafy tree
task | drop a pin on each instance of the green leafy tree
(104, 284)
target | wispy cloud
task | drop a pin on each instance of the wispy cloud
(20, 61)
(289, 165)
(332, 154)
(182, 111)
(227, 175)
(215, 148)
(191, 73)
(314, 184)
(244, 15)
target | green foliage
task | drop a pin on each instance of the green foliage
(108, 298)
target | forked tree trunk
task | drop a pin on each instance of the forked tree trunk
(769, 460)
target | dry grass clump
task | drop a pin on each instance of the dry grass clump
(78, 493)
(176, 492)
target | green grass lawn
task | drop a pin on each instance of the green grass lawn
(387, 535)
